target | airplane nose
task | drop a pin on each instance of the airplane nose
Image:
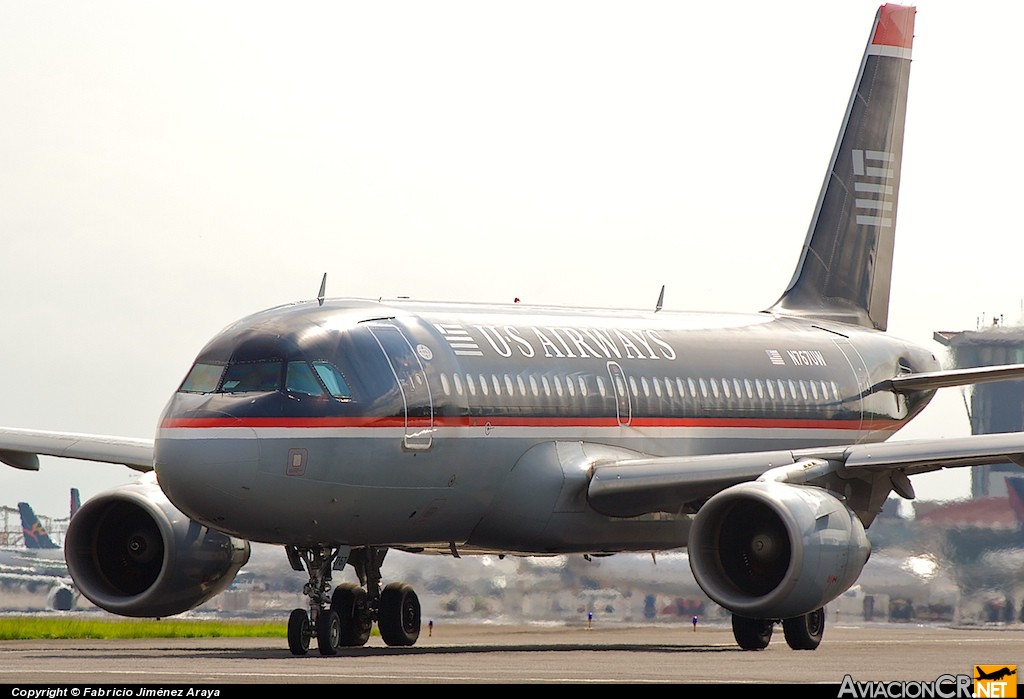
(207, 472)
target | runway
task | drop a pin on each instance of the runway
(499, 654)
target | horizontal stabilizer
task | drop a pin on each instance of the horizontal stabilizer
(954, 377)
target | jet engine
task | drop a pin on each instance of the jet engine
(131, 552)
(61, 598)
(771, 550)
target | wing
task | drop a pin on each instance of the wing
(630, 487)
(21, 448)
(863, 473)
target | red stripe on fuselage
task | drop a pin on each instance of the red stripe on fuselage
(502, 421)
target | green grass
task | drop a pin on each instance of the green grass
(22, 628)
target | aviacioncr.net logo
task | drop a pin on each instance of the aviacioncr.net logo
(995, 681)
(943, 687)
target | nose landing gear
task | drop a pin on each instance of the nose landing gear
(345, 617)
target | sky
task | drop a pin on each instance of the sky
(168, 168)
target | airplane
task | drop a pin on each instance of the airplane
(40, 562)
(343, 428)
(995, 675)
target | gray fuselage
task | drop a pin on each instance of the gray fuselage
(437, 425)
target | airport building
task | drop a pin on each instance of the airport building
(993, 407)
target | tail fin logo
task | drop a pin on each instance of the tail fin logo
(34, 534)
(874, 199)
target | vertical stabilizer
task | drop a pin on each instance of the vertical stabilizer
(32, 529)
(845, 265)
(76, 502)
(1015, 491)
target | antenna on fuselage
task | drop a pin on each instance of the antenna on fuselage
(661, 299)
(323, 287)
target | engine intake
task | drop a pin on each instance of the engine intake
(131, 552)
(769, 550)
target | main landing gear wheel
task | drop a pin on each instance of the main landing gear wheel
(299, 632)
(399, 617)
(804, 632)
(352, 605)
(328, 632)
(751, 634)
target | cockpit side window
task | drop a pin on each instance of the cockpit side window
(202, 378)
(332, 379)
(300, 379)
(252, 376)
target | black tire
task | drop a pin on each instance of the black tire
(751, 634)
(299, 632)
(805, 632)
(399, 619)
(328, 632)
(350, 602)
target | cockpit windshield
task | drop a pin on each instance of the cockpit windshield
(251, 376)
(312, 379)
(333, 379)
(347, 367)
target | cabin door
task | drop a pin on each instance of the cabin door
(623, 404)
(412, 381)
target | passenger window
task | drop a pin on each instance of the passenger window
(300, 379)
(333, 380)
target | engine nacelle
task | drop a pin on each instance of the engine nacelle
(61, 598)
(131, 552)
(770, 550)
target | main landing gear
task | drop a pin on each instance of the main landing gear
(344, 617)
(802, 632)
